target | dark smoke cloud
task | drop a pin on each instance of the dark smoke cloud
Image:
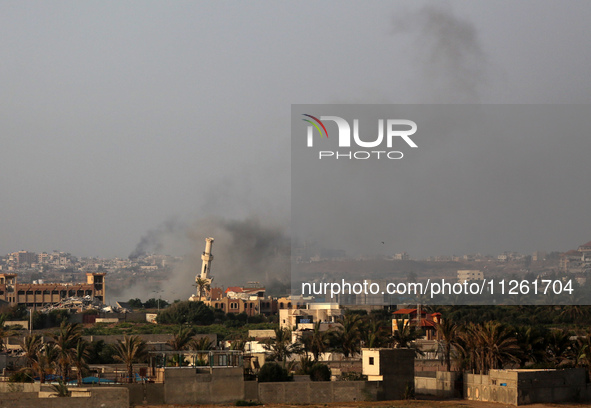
(448, 53)
(152, 241)
(245, 250)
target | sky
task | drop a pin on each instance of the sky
(118, 117)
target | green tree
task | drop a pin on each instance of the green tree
(187, 312)
(405, 334)
(45, 360)
(65, 342)
(201, 344)
(317, 342)
(448, 333)
(130, 350)
(30, 346)
(281, 347)
(348, 337)
(80, 357)
(202, 286)
(182, 338)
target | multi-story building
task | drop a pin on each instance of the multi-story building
(24, 258)
(467, 275)
(40, 294)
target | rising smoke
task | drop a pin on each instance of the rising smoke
(244, 250)
(447, 52)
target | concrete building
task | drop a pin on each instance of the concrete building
(394, 368)
(298, 319)
(467, 275)
(40, 294)
(24, 258)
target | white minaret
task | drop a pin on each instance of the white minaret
(206, 257)
(204, 277)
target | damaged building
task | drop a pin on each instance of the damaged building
(38, 295)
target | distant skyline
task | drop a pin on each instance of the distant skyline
(120, 117)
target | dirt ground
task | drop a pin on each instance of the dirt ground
(389, 404)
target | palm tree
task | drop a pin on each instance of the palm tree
(467, 347)
(202, 286)
(79, 357)
(489, 345)
(317, 342)
(45, 361)
(584, 354)
(405, 334)
(349, 335)
(499, 345)
(281, 346)
(373, 334)
(559, 346)
(448, 332)
(65, 343)
(130, 350)
(181, 340)
(201, 344)
(531, 342)
(31, 346)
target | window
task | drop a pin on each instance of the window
(371, 361)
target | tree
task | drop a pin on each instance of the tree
(187, 312)
(30, 346)
(531, 343)
(130, 350)
(65, 343)
(499, 346)
(317, 342)
(448, 333)
(80, 357)
(373, 334)
(281, 346)
(489, 345)
(559, 346)
(405, 334)
(181, 340)
(201, 344)
(349, 336)
(203, 286)
(45, 361)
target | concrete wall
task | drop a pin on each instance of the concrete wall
(19, 387)
(316, 392)
(520, 387)
(480, 388)
(203, 385)
(141, 394)
(99, 398)
(441, 384)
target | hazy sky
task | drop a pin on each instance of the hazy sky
(119, 116)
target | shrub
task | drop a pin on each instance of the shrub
(21, 377)
(353, 376)
(187, 312)
(273, 372)
(320, 372)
